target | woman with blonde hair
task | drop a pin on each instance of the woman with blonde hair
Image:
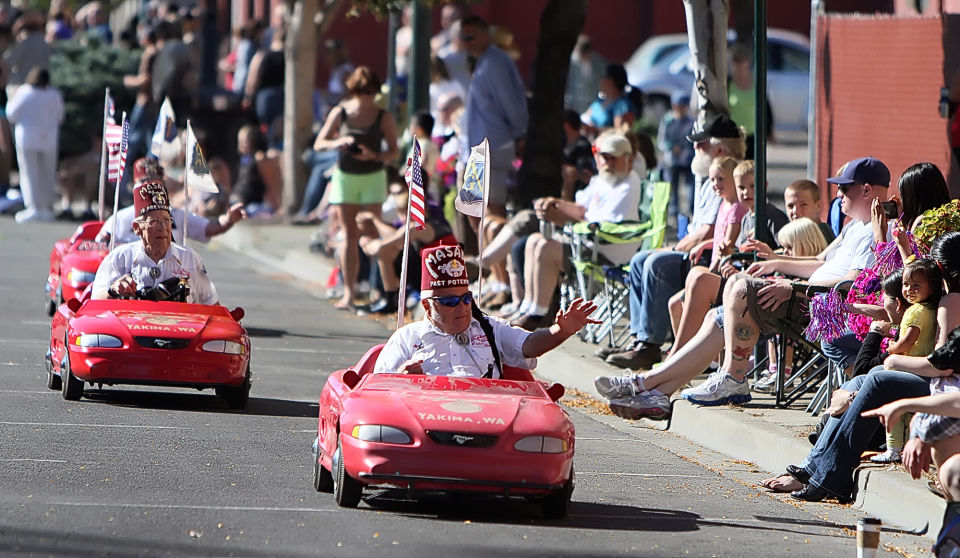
(366, 137)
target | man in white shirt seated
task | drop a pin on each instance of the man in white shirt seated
(199, 228)
(454, 339)
(155, 258)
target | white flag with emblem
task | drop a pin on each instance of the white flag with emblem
(198, 174)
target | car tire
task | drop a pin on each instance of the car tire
(322, 478)
(557, 505)
(346, 490)
(49, 306)
(53, 380)
(236, 396)
(71, 387)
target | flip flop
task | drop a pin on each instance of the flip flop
(781, 490)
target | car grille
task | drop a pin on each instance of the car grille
(162, 343)
(461, 439)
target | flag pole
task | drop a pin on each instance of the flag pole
(402, 292)
(483, 214)
(103, 155)
(186, 187)
(116, 193)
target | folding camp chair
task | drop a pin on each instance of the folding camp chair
(605, 283)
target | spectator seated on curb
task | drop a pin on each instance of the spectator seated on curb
(613, 195)
(655, 275)
(827, 471)
(383, 241)
(259, 183)
(752, 307)
(199, 229)
(455, 339)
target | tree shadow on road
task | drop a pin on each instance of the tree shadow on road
(268, 332)
(201, 403)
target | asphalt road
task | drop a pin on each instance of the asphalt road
(150, 472)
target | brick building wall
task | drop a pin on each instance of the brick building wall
(880, 86)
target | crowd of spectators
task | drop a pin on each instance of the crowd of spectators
(712, 314)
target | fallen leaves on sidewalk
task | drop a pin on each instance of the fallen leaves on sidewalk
(576, 399)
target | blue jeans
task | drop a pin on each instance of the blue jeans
(319, 163)
(836, 454)
(654, 277)
(843, 350)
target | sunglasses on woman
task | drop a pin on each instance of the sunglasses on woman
(453, 301)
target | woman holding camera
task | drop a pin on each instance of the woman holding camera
(366, 138)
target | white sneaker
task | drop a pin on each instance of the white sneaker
(30, 214)
(768, 382)
(718, 389)
(889, 456)
(644, 404)
(613, 387)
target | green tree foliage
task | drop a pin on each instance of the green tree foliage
(80, 69)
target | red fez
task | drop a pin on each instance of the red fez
(443, 267)
(148, 196)
(147, 168)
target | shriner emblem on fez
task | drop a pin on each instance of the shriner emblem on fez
(453, 268)
(435, 260)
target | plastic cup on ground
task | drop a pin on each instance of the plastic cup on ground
(868, 537)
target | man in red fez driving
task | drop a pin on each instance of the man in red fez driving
(455, 339)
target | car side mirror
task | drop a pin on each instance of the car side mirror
(556, 391)
(351, 379)
(237, 313)
(74, 305)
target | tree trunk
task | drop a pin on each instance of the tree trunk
(707, 29)
(560, 24)
(300, 62)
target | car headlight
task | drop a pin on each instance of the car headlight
(541, 444)
(379, 433)
(223, 346)
(98, 340)
(76, 277)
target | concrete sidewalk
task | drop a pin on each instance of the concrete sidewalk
(769, 437)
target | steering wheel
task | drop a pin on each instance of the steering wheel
(174, 289)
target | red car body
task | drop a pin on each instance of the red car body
(464, 435)
(148, 343)
(73, 265)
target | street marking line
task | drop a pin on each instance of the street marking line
(11, 423)
(24, 391)
(183, 506)
(38, 460)
(25, 341)
(650, 475)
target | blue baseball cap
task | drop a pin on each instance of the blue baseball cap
(865, 170)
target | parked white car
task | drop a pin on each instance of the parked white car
(788, 78)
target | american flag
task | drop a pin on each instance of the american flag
(113, 138)
(414, 178)
(111, 108)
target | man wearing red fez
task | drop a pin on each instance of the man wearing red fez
(455, 339)
(200, 229)
(155, 258)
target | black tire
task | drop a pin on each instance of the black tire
(236, 396)
(49, 306)
(322, 478)
(53, 380)
(347, 491)
(71, 387)
(557, 505)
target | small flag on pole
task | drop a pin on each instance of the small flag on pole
(471, 197)
(111, 108)
(414, 178)
(197, 171)
(124, 144)
(165, 132)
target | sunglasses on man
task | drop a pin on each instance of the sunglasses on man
(453, 301)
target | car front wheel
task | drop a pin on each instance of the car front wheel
(346, 490)
(53, 380)
(322, 478)
(72, 388)
(557, 505)
(236, 396)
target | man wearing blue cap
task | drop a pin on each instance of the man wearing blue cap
(753, 306)
(677, 151)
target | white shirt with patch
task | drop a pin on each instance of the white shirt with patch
(196, 226)
(854, 251)
(179, 261)
(443, 356)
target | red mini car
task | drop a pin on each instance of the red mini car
(425, 434)
(73, 265)
(149, 342)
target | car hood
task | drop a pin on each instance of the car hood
(450, 404)
(161, 324)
